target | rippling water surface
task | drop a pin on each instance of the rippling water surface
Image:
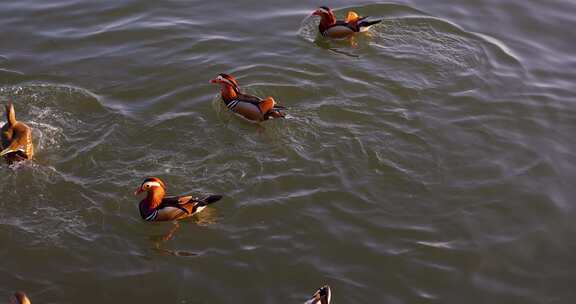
(428, 161)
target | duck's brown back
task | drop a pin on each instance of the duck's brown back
(23, 136)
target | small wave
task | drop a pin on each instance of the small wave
(52, 111)
(417, 44)
(61, 117)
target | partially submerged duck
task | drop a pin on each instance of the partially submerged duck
(250, 107)
(337, 29)
(321, 296)
(19, 298)
(156, 207)
(16, 138)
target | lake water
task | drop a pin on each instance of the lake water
(431, 160)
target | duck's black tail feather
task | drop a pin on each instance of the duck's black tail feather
(276, 112)
(367, 23)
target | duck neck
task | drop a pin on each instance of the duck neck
(326, 21)
(228, 92)
(154, 198)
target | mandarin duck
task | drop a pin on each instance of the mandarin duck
(331, 28)
(250, 107)
(16, 138)
(156, 207)
(19, 298)
(321, 296)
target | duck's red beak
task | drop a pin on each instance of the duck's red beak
(214, 81)
(138, 191)
(316, 13)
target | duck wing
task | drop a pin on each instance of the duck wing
(255, 100)
(338, 30)
(177, 207)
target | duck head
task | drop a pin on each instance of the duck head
(326, 15)
(230, 88)
(19, 298)
(153, 186)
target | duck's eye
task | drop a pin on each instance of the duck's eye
(146, 186)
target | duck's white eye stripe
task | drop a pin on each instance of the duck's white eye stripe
(152, 184)
(324, 11)
(227, 81)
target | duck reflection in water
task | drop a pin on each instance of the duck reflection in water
(205, 218)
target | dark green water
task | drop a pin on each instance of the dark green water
(430, 161)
